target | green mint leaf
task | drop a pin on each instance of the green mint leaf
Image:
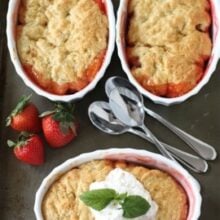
(134, 206)
(98, 199)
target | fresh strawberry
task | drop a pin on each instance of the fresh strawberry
(59, 125)
(29, 149)
(25, 116)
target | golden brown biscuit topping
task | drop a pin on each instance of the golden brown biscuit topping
(62, 201)
(62, 43)
(168, 44)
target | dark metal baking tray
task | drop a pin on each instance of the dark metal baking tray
(199, 116)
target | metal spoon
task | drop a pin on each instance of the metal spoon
(203, 149)
(133, 116)
(102, 117)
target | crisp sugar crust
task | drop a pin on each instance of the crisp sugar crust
(61, 43)
(168, 44)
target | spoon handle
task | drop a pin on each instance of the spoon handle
(193, 162)
(157, 143)
(205, 150)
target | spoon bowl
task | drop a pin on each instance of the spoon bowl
(116, 81)
(133, 116)
(101, 116)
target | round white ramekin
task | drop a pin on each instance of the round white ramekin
(12, 21)
(120, 41)
(144, 157)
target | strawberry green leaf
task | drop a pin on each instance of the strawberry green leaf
(23, 136)
(8, 121)
(11, 143)
(47, 113)
(67, 107)
(19, 108)
(73, 128)
(64, 113)
(22, 140)
(64, 127)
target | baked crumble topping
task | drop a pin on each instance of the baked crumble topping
(61, 43)
(168, 44)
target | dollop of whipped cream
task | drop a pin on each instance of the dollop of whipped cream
(122, 182)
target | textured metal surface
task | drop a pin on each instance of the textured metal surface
(19, 182)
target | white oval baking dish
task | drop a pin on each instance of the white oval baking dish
(11, 22)
(144, 157)
(120, 41)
